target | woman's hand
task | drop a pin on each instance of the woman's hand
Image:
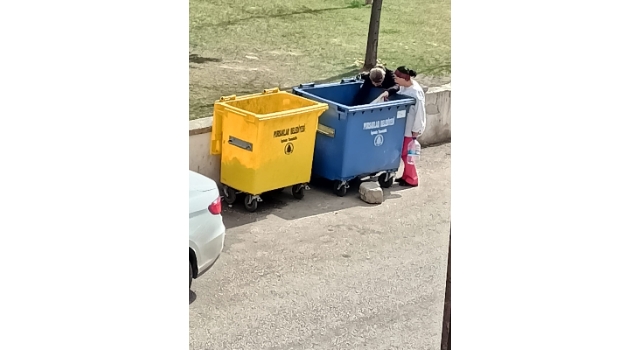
(385, 95)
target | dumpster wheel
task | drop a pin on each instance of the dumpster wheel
(250, 203)
(386, 180)
(298, 191)
(340, 188)
(230, 195)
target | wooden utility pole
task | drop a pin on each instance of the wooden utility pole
(445, 344)
(371, 57)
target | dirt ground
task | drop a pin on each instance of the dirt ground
(329, 272)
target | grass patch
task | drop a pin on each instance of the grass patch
(242, 47)
(354, 4)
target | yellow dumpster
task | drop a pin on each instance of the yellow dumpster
(266, 143)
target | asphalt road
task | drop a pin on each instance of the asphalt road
(329, 272)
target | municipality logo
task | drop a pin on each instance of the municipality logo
(378, 140)
(288, 148)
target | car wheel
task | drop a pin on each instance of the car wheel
(190, 275)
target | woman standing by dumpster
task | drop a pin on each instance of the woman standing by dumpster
(377, 77)
(416, 119)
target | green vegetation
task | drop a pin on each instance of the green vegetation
(242, 47)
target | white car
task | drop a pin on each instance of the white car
(206, 229)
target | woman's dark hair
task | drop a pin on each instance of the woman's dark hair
(405, 70)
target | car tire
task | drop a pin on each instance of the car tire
(190, 275)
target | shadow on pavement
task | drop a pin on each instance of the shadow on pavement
(319, 200)
(192, 296)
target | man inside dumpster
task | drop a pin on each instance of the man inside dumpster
(416, 120)
(378, 77)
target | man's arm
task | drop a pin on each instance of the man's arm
(389, 80)
(393, 90)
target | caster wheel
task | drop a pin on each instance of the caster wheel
(250, 204)
(230, 195)
(339, 190)
(388, 182)
(297, 191)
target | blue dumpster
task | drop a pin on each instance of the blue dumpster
(356, 141)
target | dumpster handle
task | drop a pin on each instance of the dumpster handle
(325, 130)
(307, 85)
(241, 143)
(349, 80)
(270, 91)
(227, 98)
